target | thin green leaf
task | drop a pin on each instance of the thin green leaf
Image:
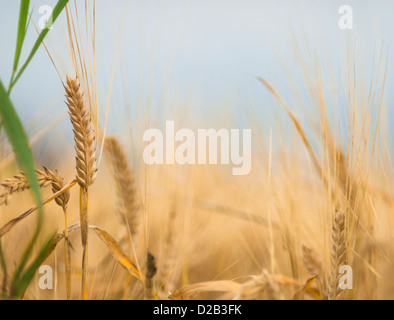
(55, 14)
(23, 15)
(19, 287)
(18, 139)
(5, 272)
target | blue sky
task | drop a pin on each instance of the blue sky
(205, 50)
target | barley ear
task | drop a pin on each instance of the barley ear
(84, 136)
(338, 256)
(128, 205)
(20, 183)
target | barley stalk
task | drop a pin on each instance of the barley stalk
(62, 201)
(85, 147)
(67, 258)
(45, 178)
(83, 209)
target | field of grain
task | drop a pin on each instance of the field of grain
(313, 220)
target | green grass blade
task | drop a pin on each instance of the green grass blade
(3, 281)
(55, 14)
(19, 287)
(18, 139)
(22, 27)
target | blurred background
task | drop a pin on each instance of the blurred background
(196, 62)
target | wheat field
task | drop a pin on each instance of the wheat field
(319, 197)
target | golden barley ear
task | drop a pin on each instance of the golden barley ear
(128, 205)
(84, 136)
(57, 184)
(338, 256)
(20, 183)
